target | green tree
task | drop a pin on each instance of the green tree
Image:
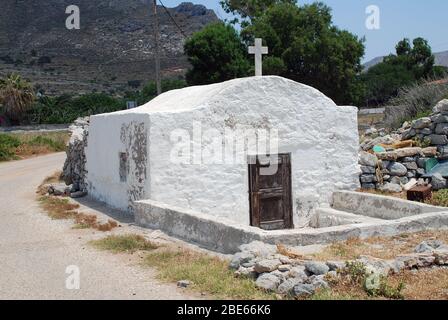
(16, 96)
(216, 53)
(410, 64)
(312, 49)
(249, 9)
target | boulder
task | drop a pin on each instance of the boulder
(368, 186)
(408, 134)
(316, 268)
(240, 258)
(335, 265)
(391, 187)
(442, 106)
(410, 165)
(439, 118)
(303, 289)
(387, 156)
(367, 159)
(259, 249)
(421, 123)
(267, 265)
(442, 128)
(397, 169)
(399, 180)
(268, 282)
(287, 286)
(408, 152)
(438, 182)
(246, 272)
(318, 282)
(367, 178)
(298, 272)
(368, 170)
(437, 139)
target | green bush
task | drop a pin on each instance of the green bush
(8, 144)
(65, 109)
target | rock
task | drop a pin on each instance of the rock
(183, 283)
(391, 187)
(423, 247)
(399, 180)
(246, 272)
(303, 289)
(287, 286)
(442, 106)
(375, 265)
(421, 123)
(410, 165)
(267, 265)
(59, 189)
(425, 131)
(442, 128)
(418, 260)
(367, 159)
(368, 170)
(437, 139)
(240, 258)
(421, 162)
(298, 272)
(259, 249)
(408, 134)
(396, 266)
(409, 159)
(410, 174)
(408, 152)
(367, 178)
(386, 177)
(318, 282)
(335, 265)
(441, 257)
(316, 268)
(284, 268)
(420, 172)
(78, 194)
(397, 169)
(438, 182)
(267, 282)
(439, 118)
(388, 156)
(368, 186)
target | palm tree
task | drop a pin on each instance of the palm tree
(16, 95)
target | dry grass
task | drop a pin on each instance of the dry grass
(128, 243)
(207, 274)
(58, 208)
(42, 189)
(426, 284)
(379, 247)
(429, 284)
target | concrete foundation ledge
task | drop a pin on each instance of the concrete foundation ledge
(225, 236)
(377, 206)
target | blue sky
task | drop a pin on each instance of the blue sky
(398, 19)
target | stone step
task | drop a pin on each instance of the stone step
(328, 217)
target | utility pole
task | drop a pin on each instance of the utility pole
(157, 53)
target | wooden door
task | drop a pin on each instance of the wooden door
(270, 195)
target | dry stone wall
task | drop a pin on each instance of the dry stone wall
(390, 170)
(74, 171)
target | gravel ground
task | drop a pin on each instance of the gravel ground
(35, 250)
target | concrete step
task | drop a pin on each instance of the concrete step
(328, 217)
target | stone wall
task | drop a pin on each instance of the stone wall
(390, 170)
(74, 172)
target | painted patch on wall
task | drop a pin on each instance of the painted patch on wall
(134, 135)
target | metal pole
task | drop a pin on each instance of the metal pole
(157, 53)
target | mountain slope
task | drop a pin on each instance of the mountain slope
(441, 59)
(113, 46)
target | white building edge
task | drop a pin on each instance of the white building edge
(131, 155)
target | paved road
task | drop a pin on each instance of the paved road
(35, 251)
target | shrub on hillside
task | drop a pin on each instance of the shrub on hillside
(65, 109)
(415, 99)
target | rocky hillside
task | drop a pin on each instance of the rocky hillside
(112, 51)
(441, 59)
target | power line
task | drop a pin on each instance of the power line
(172, 19)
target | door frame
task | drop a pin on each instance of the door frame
(254, 215)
